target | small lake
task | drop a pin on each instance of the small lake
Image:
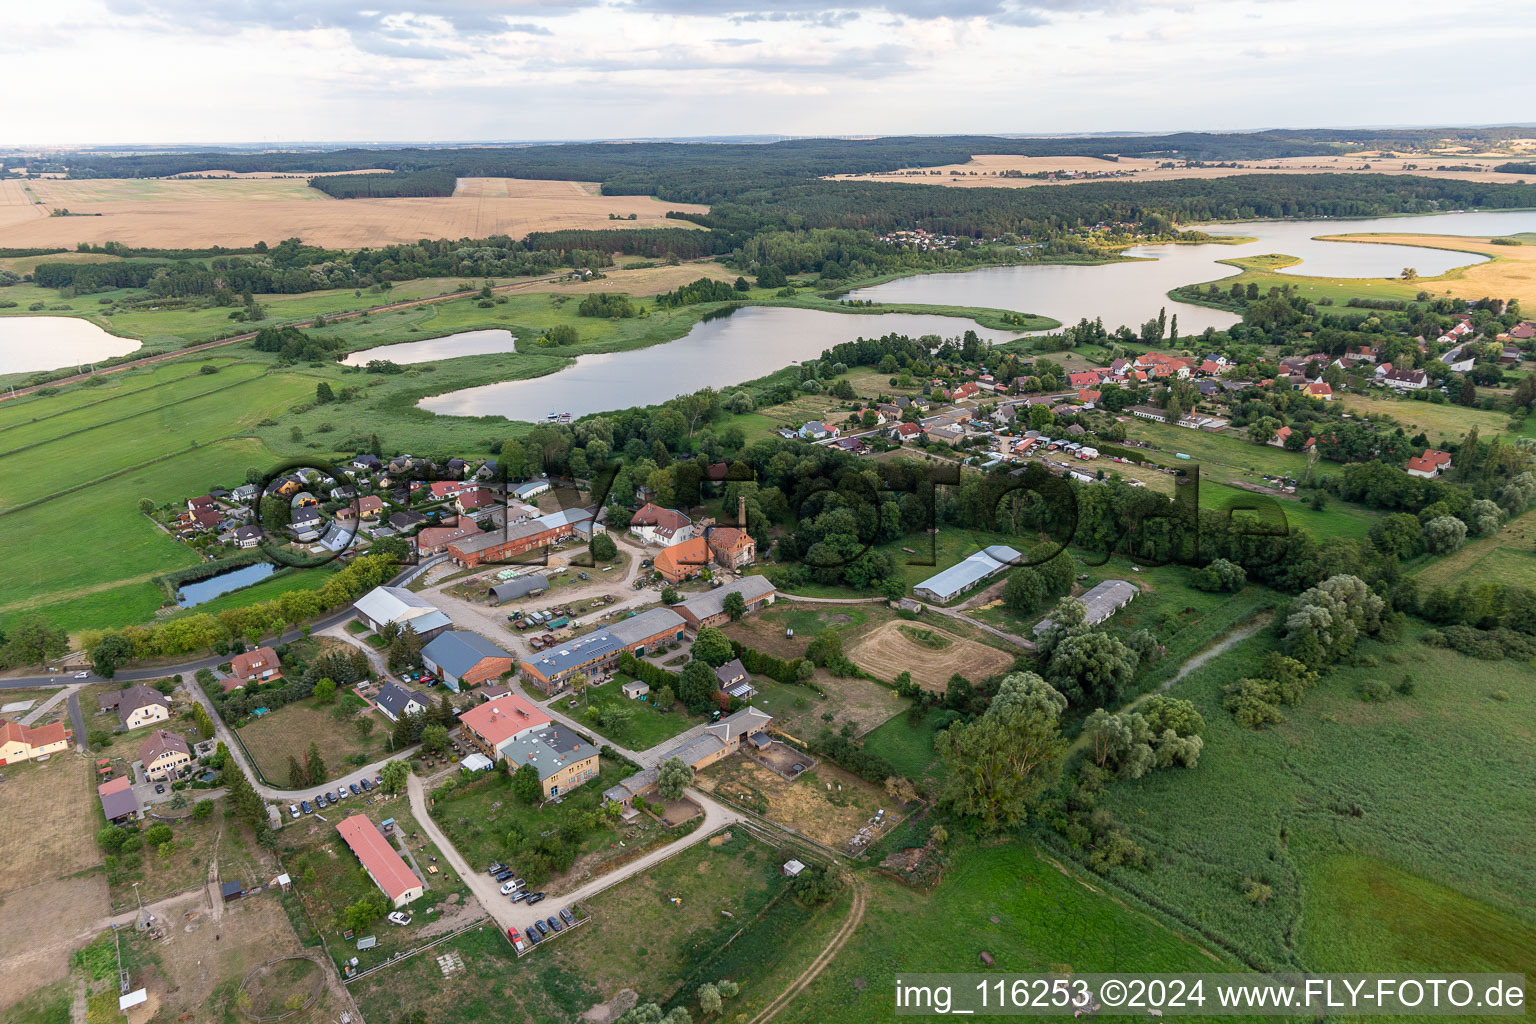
(193, 594)
(31, 343)
(1132, 293)
(465, 343)
(752, 342)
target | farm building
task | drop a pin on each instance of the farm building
(708, 608)
(731, 547)
(460, 657)
(383, 605)
(523, 586)
(719, 740)
(957, 579)
(497, 722)
(1101, 602)
(648, 630)
(563, 759)
(683, 560)
(531, 489)
(380, 860)
(520, 538)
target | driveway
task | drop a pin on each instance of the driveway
(518, 915)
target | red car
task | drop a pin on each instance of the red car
(512, 934)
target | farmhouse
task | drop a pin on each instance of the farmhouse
(497, 722)
(383, 605)
(462, 658)
(718, 741)
(563, 759)
(957, 579)
(523, 586)
(394, 700)
(734, 680)
(656, 525)
(22, 743)
(117, 800)
(1101, 602)
(137, 706)
(1429, 465)
(521, 538)
(380, 860)
(258, 666)
(708, 608)
(165, 755)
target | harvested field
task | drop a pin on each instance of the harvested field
(1511, 273)
(60, 915)
(278, 174)
(288, 732)
(58, 804)
(177, 213)
(887, 652)
(826, 803)
(987, 170)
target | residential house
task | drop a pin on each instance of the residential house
(1320, 389)
(734, 680)
(1084, 379)
(1278, 441)
(945, 433)
(473, 500)
(366, 463)
(380, 860)
(406, 520)
(247, 536)
(137, 706)
(1089, 397)
(562, 758)
(369, 506)
(306, 524)
(1402, 380)
(501, 719)
(816, 430)
(965, 392)
(1429, 465)
(594, 655)
(118, 803)
(708, 608)
(165, 755)
(23, 742)
(245, 493)
(201, 503)
(395, 700)
(656, 525)
(905, 431)
(449, 489)
(461, 658)
(258, 666)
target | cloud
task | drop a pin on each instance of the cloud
(846, 62)
(735, 42)
(834, 12)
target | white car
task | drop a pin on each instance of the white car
(341, 793)
(82, 675)
(293, 810)
(512, 886)
(395, 917)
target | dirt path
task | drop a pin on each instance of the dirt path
(1233, 638)
(855, 915)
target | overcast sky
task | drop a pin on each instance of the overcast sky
(280, 71)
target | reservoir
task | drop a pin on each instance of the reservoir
(193, 594)
(465, 343)
(31, 343)
(752, 342)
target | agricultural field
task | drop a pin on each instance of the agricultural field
(987, 170)
(50, 873)
(287, 732)
(931, 653)
(1005, 900)
(1315, 809)
(1510, 272)
(187, 213)
(1443, 424)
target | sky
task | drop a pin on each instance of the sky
(99, 72)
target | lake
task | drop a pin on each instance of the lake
(30, 343)
(193, 594)
(752, 342)
(1132, 293)
(465, 343)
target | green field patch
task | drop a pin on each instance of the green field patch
(646, 726)
(288, 732)
(909, 746)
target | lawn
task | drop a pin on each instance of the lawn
(1425, 784)
(1508, 556)
(288, 732)
(1002, 900)
(909, 747)
(646, 726)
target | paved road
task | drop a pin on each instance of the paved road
(43, 708)
(519, 915)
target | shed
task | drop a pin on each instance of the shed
(522, 587)
(636, 688)
(476, 763)
(792, 868)
(232, 891)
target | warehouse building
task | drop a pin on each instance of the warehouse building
(945, 586)
(379, 859)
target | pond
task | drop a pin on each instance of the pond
(193, 594)
(30, 343)
(1132, 293)
(752, 342)
(465, 343)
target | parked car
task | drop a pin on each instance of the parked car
(534, 897)
(507, 890)
(503, 874)
(512, 935)
(159, 789)
(354, 789)
(293, 810)
(554, 923)
(541, 926)
(366, 785)
(533, 936)
(495, 869)
(396, 917)
(519, 896)
(567, 916)
(82, 675)
(322, 801)
(305, 804)
(341, 793)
